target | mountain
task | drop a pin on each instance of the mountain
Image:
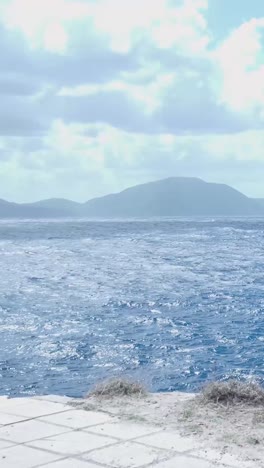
(260, 201)
(176, 196)
(15, 210)
(61, 205)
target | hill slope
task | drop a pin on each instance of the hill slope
(260, 201)
(60, 205)
(177, 196)
(24, 211)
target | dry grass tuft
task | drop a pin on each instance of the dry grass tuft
(118, 388)
(233, 392)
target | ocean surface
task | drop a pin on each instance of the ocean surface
(171, 302)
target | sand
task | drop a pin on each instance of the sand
(233, 435)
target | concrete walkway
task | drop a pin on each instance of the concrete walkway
(46, 431)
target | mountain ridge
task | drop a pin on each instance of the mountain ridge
(260, 201)
(174, 196)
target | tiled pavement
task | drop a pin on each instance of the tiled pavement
(46, 432)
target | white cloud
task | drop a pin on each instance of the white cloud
(167, 25)
(149, 101)
(241, 62)
(83, 161)
(55, 38)
(46, 23)
(126, 92)
(244, 146)
(179, 26)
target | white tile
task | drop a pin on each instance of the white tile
(124, 430)
(170, 441)
(73, 443)
(35, 408)
(10, 419)
(29, 430)
(20, 456)
(4, 444)
(3, 399)
(187, 462)
(53, 398)
(224, 458)
(71, 463)
(127, 455)
(77, 419)
(6, 403)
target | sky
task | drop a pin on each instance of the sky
(100, 95)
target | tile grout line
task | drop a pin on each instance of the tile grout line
(30, 419)
(73, 428)
(88, 430)
(100, 465)
(65, 430)
(173, 453)
(190, 453)
(165, 459)
(74, 455)
(14, 443)
(50, 462)
(116, 441)
(122, 440)
(80, 456)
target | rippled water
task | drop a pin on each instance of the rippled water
(172, 302)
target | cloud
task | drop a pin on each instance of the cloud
(81, 161)
(121, 24)
(115, 108)
(167, 45)
(240, 60)
(91, 103)
(175, 103)
(29, 77)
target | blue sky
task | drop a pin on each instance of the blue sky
(100, 95)
(224, 16)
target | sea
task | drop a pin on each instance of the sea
(173, 303)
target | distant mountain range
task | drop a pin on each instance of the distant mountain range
(260, 201)
(176, 196)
